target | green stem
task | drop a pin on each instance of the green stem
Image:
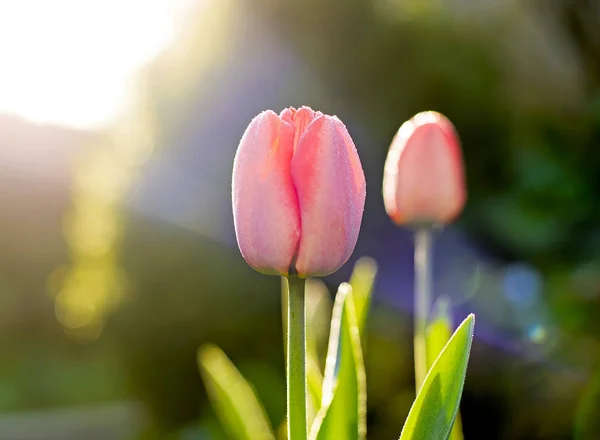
(422, 300)
(296, 360)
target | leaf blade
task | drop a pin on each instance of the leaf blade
(234, 400)
(439, 331)
(343, 411)
(435, 408)
(362, 281)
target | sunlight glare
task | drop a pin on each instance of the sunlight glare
(70, 62)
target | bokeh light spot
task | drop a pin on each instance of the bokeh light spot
(522, 285)
(538, 333)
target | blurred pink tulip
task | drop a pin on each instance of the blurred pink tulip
(298, 193)
(424, 178)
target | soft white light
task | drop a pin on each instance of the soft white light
(71, 62)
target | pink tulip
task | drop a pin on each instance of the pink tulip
(424, 179)
(298, 193)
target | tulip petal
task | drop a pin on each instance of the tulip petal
(423, 179)
(265, 207)
(390, 174)
(331, 187)
(299, 119)
(428, 184)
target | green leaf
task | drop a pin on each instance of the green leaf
(314, 383)
(343, 410)
(234, 400)
(439, 331)
(318, 310)
(362, 280)
(318, 314)
(436, 406)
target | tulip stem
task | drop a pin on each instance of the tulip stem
(422, 300)
(296, 360)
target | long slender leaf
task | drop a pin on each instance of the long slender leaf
(234, 400)
(362, 280)
(318, 313)
(318, 310)
(343, 411)
(314, 383)
(439, 331)
(434, 410)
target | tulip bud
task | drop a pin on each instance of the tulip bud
(298, 193)
(424, 180)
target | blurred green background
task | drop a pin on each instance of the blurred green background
(117, 253)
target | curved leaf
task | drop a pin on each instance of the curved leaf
(436, 406)
(439, 331)
(343, 411)
(362, 280)
(234, 400)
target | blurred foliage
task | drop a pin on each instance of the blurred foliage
(234, 400)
